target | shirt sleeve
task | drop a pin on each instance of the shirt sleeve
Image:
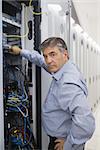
(73, 99)
(34, 57)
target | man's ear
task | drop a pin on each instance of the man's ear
(66, 54)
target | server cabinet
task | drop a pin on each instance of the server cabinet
(20, 101)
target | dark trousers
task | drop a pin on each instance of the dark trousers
(51, 143)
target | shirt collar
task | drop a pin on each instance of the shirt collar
(60, 72)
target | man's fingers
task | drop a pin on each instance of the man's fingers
(57, 146)
(58, 140)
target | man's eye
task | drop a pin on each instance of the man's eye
(53, 54)
(45, 56)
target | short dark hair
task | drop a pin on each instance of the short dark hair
(52, 42)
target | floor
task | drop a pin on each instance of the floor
(94, 142)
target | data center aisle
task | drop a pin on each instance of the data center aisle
(94, 143)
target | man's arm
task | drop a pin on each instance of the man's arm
(32, 56)
(74, 100)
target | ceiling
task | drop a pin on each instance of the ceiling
(88, 13)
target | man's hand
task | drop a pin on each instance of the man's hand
(14, 50)
(60, 144)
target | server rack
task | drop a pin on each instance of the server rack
(19, 131)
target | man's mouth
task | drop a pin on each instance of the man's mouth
(51, 66)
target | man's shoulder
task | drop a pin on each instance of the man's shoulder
(72, 74)
(74, 77)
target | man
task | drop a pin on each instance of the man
(66, 116)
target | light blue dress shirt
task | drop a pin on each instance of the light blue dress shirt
(66, 113)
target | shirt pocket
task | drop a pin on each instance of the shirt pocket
(51, 101)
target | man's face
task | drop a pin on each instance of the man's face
(54, 58)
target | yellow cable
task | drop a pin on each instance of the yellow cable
(20, 36)
(27, 31)
(36, 13)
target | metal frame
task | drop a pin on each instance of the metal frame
(37, 41)
(1, 86)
